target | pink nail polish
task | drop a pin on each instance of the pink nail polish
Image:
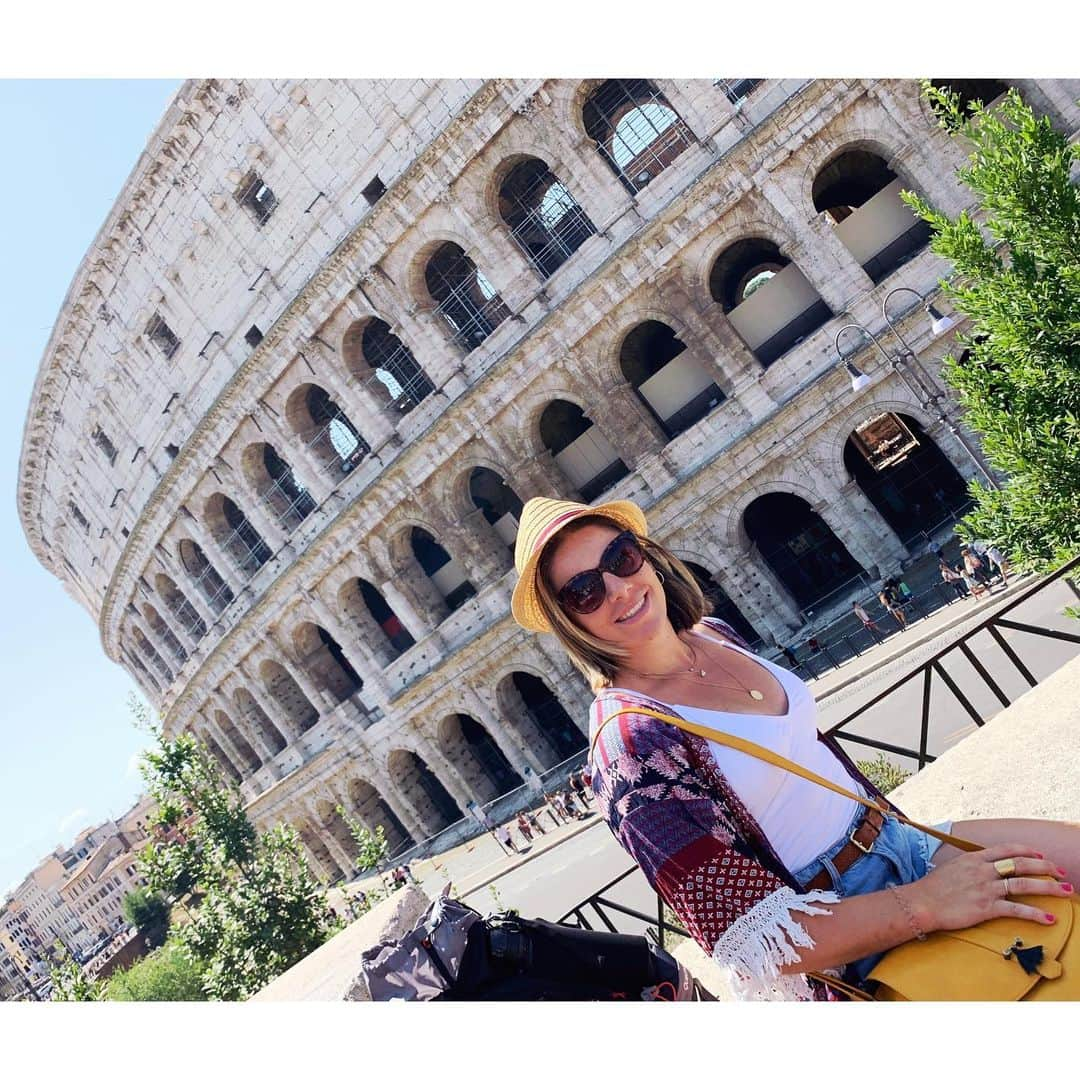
(1061, 870)
(1066, 886)
(1050, 918)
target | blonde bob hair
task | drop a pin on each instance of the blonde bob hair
(596, 659)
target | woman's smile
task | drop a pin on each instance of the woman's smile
(641, 607)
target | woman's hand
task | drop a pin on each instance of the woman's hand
(968, 890)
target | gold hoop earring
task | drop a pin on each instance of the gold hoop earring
(659, 576)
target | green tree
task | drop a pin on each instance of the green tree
(371, 851)
(261, 908)
(882, 773)
(70, 982)
(148, 912)
(167, 974)
(1017, 277)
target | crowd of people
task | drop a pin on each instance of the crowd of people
(571, 803)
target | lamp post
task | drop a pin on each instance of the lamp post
(907, 362)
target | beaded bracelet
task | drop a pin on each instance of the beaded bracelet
(919, 933)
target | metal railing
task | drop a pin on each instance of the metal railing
(600, 903)
(933, 668)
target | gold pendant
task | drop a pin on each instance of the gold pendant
(757, 695)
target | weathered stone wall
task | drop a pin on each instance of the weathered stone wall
(257, 637)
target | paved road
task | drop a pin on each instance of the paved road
(553, 882)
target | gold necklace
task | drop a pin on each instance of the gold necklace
(696, 669)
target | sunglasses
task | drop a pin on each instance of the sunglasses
(585, 592)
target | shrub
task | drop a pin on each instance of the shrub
(882, 773)
(167, 974)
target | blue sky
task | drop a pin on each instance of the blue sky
(66, 735)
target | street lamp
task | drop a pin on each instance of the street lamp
(930, 399)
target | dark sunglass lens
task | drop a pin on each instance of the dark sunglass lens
(624, 557)
(584, 593)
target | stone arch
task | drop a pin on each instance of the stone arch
(365, 800)
(857, 191)
(327, 432)
(472, 751)
(440, 568)
(326, 865)
(253, 713)
(969, 90)
(799, 547)
(637, 132)
(465, 300)
(237, 741)
(286, 692)
(544, 219)
(334, 824)
(527, 704)
(232, 530)
(496, 500)
(904, 474)
(325, 663)
(721, 604)
(274, 484)
(381, 361)
(373, 620)
(152, 655)
(181, 608)
(223, 761)
(581, 451)
(160, 628)
(675, 387)
(203, 575)
(767, 299)
(433, 805)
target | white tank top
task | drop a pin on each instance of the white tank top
(801, 819)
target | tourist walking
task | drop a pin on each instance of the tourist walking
(864, 617)
(534, 822)
(748, 855)
(891, 604)
(974, 566)
(996, 558)
(502, 834)
(524, 829)
(951, 576)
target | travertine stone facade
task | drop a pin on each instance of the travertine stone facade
(333, 333)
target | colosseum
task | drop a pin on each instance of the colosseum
(332, 334)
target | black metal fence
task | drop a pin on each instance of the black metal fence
(932, 672)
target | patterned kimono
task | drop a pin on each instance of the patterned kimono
(669, 805)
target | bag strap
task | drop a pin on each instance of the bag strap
(760, 752)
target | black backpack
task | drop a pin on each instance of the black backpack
(456, 954)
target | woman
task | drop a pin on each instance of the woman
(749, 856)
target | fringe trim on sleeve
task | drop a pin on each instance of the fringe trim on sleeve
(754, 946)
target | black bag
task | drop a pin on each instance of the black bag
(455, 954)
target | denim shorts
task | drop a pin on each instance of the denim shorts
(900, 854)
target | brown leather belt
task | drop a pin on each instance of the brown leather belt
(860, 842)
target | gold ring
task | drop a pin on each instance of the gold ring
(1005, 882)
(1005, 867)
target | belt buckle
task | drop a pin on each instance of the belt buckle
(851, 836)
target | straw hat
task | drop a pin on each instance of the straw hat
(541, 519)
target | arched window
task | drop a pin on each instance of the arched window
(497, 501)
(903, 472)
(203, 576)
(288, 501)
(374, 621)
(545, 221)
(329, 434)
(467, 300)
(766, 297)
(673, 386)
(970, 91)
(380, 360)
(860, 195)
(325, 662)
(288, 695)
(164, 634)
(635, 129)
(232, 530)
(800, 548)
(580, 450)
(443, 570)
(180, 606)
